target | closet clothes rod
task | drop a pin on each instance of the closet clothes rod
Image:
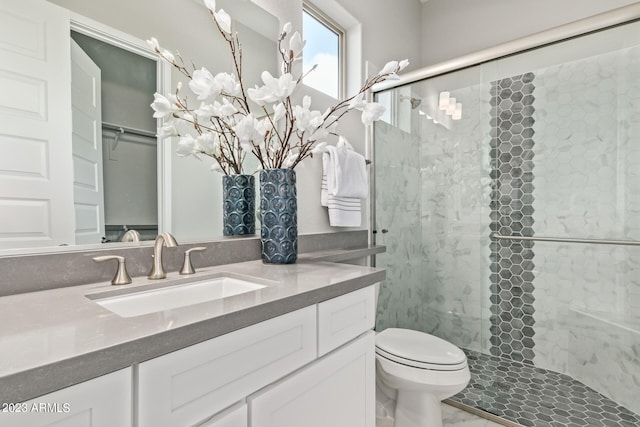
(124, 129)
(567, 240)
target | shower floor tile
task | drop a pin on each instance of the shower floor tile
(536, 397)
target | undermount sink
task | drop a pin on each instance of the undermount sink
(152, 300)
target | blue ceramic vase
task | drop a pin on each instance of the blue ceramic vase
(239, 203)
(278, 216)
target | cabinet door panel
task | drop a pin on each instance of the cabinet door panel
(344, 318)
(189, 385)
(337, 390)
(102, 402)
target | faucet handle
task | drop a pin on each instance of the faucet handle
(122, 276)
(187, 267)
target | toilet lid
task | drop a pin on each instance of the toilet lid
(419, 349)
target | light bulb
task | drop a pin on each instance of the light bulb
(452, 106)
(457, 113)
(443, 103)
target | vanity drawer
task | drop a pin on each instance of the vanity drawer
(343, 318)
(189, 385)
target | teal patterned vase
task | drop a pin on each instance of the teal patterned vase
(278, 216)
(239, 200)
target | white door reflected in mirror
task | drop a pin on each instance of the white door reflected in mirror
(86, 141)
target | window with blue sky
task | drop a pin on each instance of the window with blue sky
(322, 48)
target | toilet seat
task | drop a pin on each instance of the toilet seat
(419, 350)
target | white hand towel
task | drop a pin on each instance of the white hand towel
(344, 212)
(346, 173)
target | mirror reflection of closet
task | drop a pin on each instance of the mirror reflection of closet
(129, 145)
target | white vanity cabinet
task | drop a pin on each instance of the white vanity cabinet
(101, 402)
(311, 367)
(261, 364)
(192, 384)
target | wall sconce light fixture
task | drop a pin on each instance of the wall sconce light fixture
(449, 105)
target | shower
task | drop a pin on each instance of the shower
(514, 232)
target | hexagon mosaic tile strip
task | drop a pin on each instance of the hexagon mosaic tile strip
(512, 332)
(536, 397)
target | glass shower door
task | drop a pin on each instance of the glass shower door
(431, 208)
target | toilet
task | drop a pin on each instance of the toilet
(418, 371)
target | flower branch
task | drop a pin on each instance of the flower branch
(287, 133)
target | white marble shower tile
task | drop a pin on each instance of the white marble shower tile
(570, 276)
(587, 156)
(604, 354)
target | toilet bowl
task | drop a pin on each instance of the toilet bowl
(421, 370)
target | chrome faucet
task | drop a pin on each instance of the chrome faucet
(164, 239)
(130, 236)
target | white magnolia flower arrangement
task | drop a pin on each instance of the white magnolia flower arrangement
(281, 135)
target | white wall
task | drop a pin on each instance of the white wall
(452, 28)
(389, 29)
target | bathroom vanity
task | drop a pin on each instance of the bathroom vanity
(300, 347)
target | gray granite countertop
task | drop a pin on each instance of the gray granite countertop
(56, 338)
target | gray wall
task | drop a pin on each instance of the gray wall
(452, 28)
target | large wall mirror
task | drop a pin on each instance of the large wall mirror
(79, 160)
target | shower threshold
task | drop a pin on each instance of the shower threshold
(533, 397)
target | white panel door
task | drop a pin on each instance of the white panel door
(88, 188)
(36, 173)
(337, 391)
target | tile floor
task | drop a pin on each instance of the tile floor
(536, 397)
(525, 395)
